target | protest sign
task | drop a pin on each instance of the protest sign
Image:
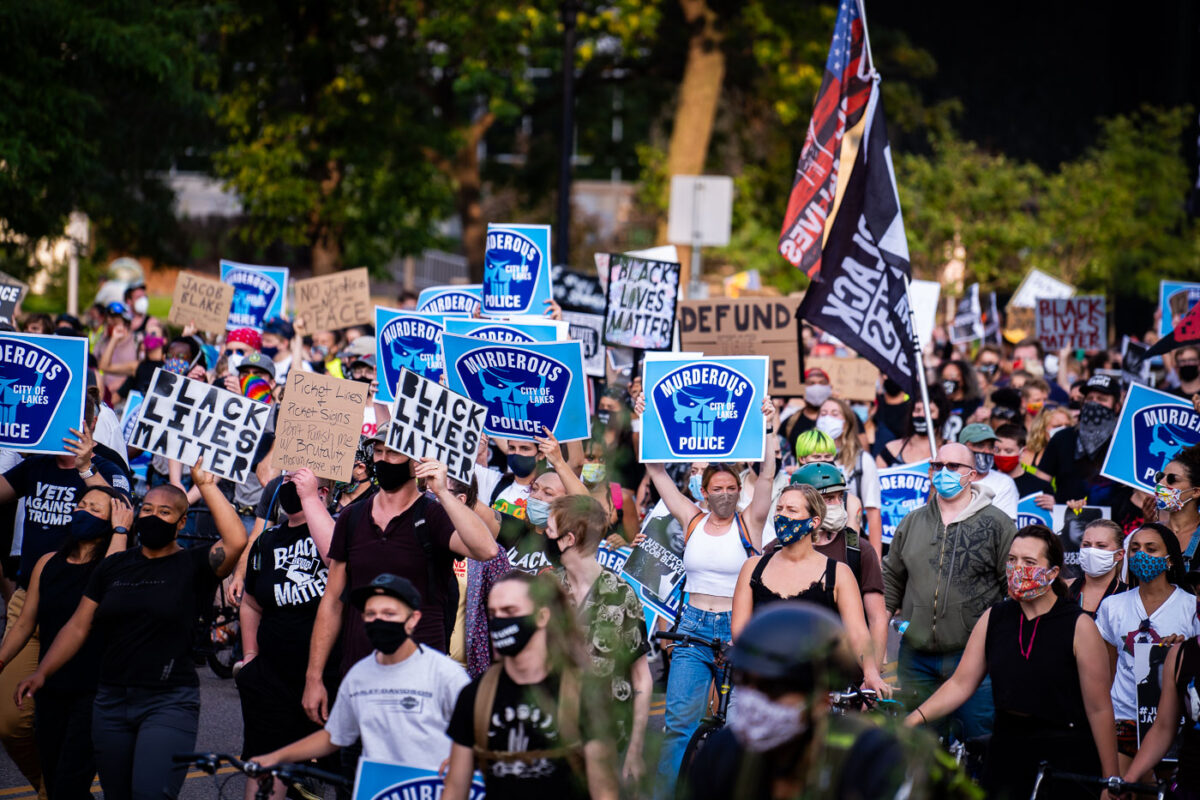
(851, 378)
(463, 299)
(1019, 323)
(923, 297)
(332, 302)
(765, 326)
(1037, 285)
(640, 307)
(377, 780)
(1078, 323)
(130, 415)
(703, 409)
(1030, 513)
(406, 340)
(500, 330)
(1153, 427)
(319, 423)
(430, 421)
(1175, 300)
(516, 270)
(43, 380)
(991, 319)
(184, 419)
(1069, 525)
(525, 387)
(259, 294)
(577, 291)
(1149, 657)
(657, 562)
(588, 330)
(968, 318)
(1135, 365)
(202, 302)
(12, 291)
(901, 489)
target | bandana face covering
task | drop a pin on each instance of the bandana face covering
(1027, 582)
(1096, 426)
(761, 724)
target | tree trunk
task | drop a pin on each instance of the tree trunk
(468, 182)
(696, 108)
(326, 252)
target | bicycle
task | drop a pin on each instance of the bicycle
(289, 774)
(1114, 785)
(863, 700)
(716, 720)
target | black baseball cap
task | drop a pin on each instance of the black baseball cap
(391, 585)
(1105, 384)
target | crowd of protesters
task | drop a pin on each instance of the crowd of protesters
(405, 616)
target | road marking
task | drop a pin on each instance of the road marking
(23, 792)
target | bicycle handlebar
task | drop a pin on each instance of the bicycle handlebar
(1114, 785)
(288, 773)
(716, 645)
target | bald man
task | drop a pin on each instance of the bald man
(944, 569)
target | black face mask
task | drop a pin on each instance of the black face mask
(392, 476)
(155, 532)
(1189, 372)
(554, 550)
(919, 426)
(289, 498)
(362, 379)
(950, 386)
(386, 636)
(891, 388)
(511, 634)
(521, 466)
(86, 528)
(604, 415)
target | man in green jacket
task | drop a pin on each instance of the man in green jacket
(944, 569)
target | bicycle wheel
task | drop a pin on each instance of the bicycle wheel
(694, 745)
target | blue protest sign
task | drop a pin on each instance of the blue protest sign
(1030, 513)
(524, 386)
(516, 270)
(42, 384)
(406, 340)
(1154, 426)
(451, 299)
(901, 489)
(498, 331)
(259, 293)
(377, 780)
(138, 466)
(1175, 299)
(703, 409)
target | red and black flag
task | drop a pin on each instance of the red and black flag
(1186, 331)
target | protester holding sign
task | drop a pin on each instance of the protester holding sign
(1101, 559)
(1180, 700)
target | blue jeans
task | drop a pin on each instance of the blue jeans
(693, 669)
(921, 673)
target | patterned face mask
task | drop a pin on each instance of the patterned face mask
(179, 366)
(788, 530)
(1168, 498)
(1147, 567)
(1028, 581)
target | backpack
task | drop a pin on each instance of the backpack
(359, 515)
(743, 532)
(568, 724)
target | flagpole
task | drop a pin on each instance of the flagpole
(862, 12)
(912, 317)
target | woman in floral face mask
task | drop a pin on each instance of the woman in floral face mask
(1156, 611)
(1049, 677)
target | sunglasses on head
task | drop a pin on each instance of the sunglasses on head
(1168, 478)
(937, 466)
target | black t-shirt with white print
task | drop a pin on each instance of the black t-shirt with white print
(286, 576)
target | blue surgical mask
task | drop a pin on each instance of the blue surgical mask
(948, 483)
(788, 530)
(1147, 567)
(537, 512)
(695, 486)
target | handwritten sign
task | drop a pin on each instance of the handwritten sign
(1078, 323)
(640, 309)
(336, 301)
(184, 419)
(202, 302)
(320, 419)
(760, 326)
(851, 378)
(430, 421)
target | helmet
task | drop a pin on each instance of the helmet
(821, 475)
(799, 643)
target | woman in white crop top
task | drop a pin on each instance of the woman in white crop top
(713, 556)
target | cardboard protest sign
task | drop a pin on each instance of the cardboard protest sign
(1175, 300)
(430, 421)
(762, 326)
(526, 387)
(901, 489)
(12, 291)
(451, 299)
(500, 330)
(259, 293)
(43, 380)
(516, 270)
(320, 419)
(578, 291)
(183, 420)
(968, 318)
(406, 340)
(640, 308)
(851, 378)
(377, 779)
(1080, 323)
(588, 330)
(1153, 427)
(703, 409)
(332, 302)
(657, 562)
(1069, 525)
(1037, 285)
(202, 302)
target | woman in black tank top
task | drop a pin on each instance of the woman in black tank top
(1050, 678)
(1180, 698)
(798, 572)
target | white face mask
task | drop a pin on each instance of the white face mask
(1050, 433)
(1096, 562)
(760, 724)
(141, 305)
(835, 518)
(830, 426)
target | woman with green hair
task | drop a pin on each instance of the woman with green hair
(815, 446)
